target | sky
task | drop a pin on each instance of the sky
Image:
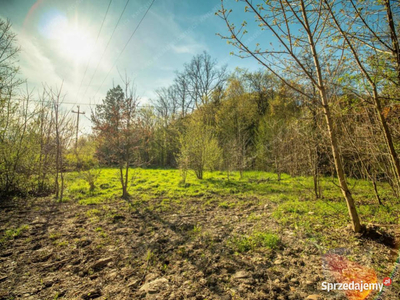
(59, 44)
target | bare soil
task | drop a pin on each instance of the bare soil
(114, 251)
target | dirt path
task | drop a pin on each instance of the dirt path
(154, 251)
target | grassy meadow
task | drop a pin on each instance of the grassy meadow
(292, 198)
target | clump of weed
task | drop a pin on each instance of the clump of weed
(13, 233)
(150, 257)
(54, 236)
(196, 229)
(244, 243)
(93, 212)
(266, 239)
(61, 243)
(226, 204)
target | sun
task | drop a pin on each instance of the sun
(75, 43)
(72, 40)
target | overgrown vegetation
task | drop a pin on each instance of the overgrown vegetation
(296, 116)
(294, 204)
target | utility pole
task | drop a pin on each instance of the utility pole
(77, 126)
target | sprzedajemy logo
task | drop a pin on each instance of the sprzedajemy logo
(353, 286)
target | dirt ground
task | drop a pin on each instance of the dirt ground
(116, 251)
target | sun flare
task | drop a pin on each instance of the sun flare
(73, 40)
(75, 44)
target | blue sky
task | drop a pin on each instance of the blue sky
(58, 38)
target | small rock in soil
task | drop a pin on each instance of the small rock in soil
(155, 286)
(241, 275)
(101, 263)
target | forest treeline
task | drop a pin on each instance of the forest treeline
(327, 105)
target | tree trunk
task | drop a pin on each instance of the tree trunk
(355, 221)
(278, 169)
(313, 161)
(394, 38)
(373, 179)
(57, 152)
(123, 179)
(126, 194)
(386, 132)
(62, 186)
(317, 188)
(316, 137)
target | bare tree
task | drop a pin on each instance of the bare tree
(184, 102)
(299, 28)
(8, 59)
(203, 77)
(262, 85)
(13, 142)
(371, 75)
(63, 133)
(166, 104)
(166, 108)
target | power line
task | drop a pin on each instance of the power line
(123, 49)
(105, 50)
(95, 44)
(75, 103)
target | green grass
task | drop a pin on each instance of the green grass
(258, 239)
(291, 200)
(13, 233)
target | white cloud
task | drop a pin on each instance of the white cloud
(187, 48)
(35, 66)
